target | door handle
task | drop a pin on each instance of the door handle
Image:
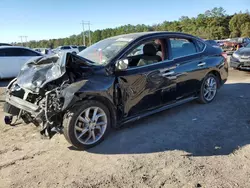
(201, 64)
(168, 73)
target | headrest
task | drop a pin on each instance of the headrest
(149, 49)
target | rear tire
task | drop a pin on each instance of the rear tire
(208, 89)
(86, 124)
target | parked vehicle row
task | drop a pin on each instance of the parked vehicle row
(72, 49)
(44, 51)
(113, 82)
(231, 45)
(12, 58)
(241, 58)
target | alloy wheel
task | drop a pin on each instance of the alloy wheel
(210, 88)
(90, 125)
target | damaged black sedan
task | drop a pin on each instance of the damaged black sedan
(113, 82)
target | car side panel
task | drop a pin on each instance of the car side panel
(215, 62)
(9, 67)
(190, 71)
(139, 91)
(219, 64)
(145, 88)
(99, 84)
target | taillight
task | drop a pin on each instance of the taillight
(224, 54)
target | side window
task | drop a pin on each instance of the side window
(65, 47)
(201, 45)
(182, 47)
(137, 51)
(146, 53)
(26, 52)
(10, 52)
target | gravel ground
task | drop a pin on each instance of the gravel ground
(192, 145)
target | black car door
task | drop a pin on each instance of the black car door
(191, 66)
(142, 88)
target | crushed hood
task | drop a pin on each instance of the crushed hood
(40, 71)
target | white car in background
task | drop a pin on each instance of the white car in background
(71, 49)
(12, 58)
(44, 51)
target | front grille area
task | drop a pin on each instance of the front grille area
(16, 91)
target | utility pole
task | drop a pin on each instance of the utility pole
(83, 32)
(26, 42)
(89, 34)
(21, 39)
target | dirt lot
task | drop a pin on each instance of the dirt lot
(189, 146)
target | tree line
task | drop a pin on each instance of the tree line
(213, 24)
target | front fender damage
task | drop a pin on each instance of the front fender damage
(48, 111)
(43, 105)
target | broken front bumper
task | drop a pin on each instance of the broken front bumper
(13, 104)
(12, 101)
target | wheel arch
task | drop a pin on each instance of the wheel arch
(217, 74)
(111, 107)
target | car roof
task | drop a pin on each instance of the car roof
(22, 47)
(5, 44)
(1, 47)
(150, 33)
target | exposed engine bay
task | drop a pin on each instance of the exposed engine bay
(45, 88)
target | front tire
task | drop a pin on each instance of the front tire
(86, 124)
(208, 89)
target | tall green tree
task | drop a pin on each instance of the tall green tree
(237, 22)
(245, 29)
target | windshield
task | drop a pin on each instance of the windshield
(248, 46)
(102, 52)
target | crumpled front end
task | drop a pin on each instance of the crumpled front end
(42, 93)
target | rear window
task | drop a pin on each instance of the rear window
(200, 45)
(182, 47)
(65, 47)
(12, 52)
(27, 52)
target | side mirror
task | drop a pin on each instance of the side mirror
(122, 64)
